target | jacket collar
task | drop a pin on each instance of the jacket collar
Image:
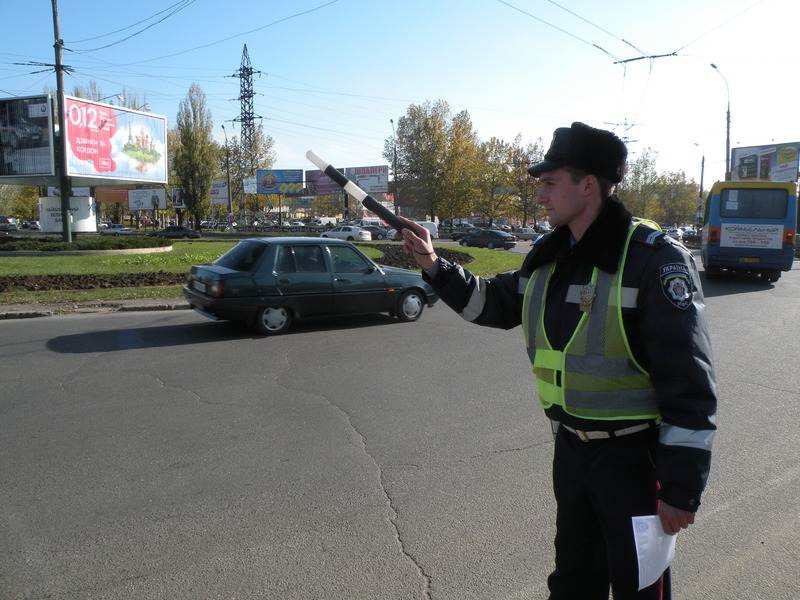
(601, 245)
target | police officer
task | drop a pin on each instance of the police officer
(612, 315)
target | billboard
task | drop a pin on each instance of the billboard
(76, 191)
(279, 181)
(147, 199)
(774, 162)
(111, 142)
(176, 195)
(370, 179)
(82, 209)
(219, 192)
(320, 184)
(26, 138)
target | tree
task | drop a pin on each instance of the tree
(677, 198)
(639, 188)
(520, 158)
(495, 179)
(263, 155)
(21, 201)
(195, 157)
(421, 152)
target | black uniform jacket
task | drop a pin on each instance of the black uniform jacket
(666, 330)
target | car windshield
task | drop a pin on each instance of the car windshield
(242, 257)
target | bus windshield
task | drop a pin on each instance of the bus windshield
(753, 203)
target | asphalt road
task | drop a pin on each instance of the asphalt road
(160, 455)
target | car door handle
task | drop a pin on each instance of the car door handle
(341, 280)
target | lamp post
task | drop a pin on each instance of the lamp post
(228, 169)
(727, 126)
(394, 168)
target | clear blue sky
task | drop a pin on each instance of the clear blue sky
(332, 78)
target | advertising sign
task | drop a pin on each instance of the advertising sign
(775, 162)
(370, 179)
(279, 181)
(320, 184)
(76, 191)
(83, 211)
(249, 185)
(26, 140)
(219, 192)
(147, 199)
(176, 195)
(751, 235)
(112, 142)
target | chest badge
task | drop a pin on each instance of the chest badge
(587, 297)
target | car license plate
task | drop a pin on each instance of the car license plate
(749, 259)
(199, 286)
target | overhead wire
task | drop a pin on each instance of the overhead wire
(102, 35)
(183, 4)
(713, 29)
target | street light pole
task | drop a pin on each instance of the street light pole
(727, 126)
(228, 169)
(396, 189)
(65, 184)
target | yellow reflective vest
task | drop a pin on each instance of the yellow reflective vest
(596, 375)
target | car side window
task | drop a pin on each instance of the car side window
(285, 262)
(309, 259)
(347, 260)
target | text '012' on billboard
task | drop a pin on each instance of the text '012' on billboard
(112, 142)
(26, 136)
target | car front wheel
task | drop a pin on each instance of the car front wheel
(273, 321)
(350, 238)
(410, 305)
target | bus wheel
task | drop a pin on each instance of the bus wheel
(713, 272)
(771, 276)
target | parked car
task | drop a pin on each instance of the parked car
(271, 282)
(378, 233)
(527, 233)
(675, 233)
(491, 239)
(117, 229)
(351, 233)
(462, 233)
(176, 232)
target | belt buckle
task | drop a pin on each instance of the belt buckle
(582, 435)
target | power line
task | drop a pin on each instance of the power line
(183, 4)
(595, 25)
(556, 27)
(276, 22)
(97, 37)
(702, 35)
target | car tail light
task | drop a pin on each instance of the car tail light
(788, 237)
(216, 289)
(713, 235)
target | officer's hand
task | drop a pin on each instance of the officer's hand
(417, 242)
(674, 519)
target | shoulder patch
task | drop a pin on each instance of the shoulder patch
(676, 283)
(649, 237)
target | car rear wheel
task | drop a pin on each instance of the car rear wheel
(490, 245)
(462, 242)
(771, 276)
(350, 238)
(273, 321)
(410, 305)
(380, 236)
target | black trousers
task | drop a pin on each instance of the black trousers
(599, 485)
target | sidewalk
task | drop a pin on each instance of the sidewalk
(28, 311)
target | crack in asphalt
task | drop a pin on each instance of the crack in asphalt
(392, 512)
(505, 450)
(197, 396)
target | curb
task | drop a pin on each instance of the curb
(96, 308)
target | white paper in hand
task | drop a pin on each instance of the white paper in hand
(654, 548)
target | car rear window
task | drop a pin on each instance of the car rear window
(753, 203)
(242, 257)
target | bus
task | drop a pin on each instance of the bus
(750, 227)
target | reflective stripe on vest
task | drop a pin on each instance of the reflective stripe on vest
(596, 376)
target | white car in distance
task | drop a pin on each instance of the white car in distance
(351, 233)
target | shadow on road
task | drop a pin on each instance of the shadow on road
(727, 284)
(194, 333)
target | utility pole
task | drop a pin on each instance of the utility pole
(396, 187)
(64, 182)
(228, 169)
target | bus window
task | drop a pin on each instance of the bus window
(753, 203)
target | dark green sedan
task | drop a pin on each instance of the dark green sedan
(270, 282)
